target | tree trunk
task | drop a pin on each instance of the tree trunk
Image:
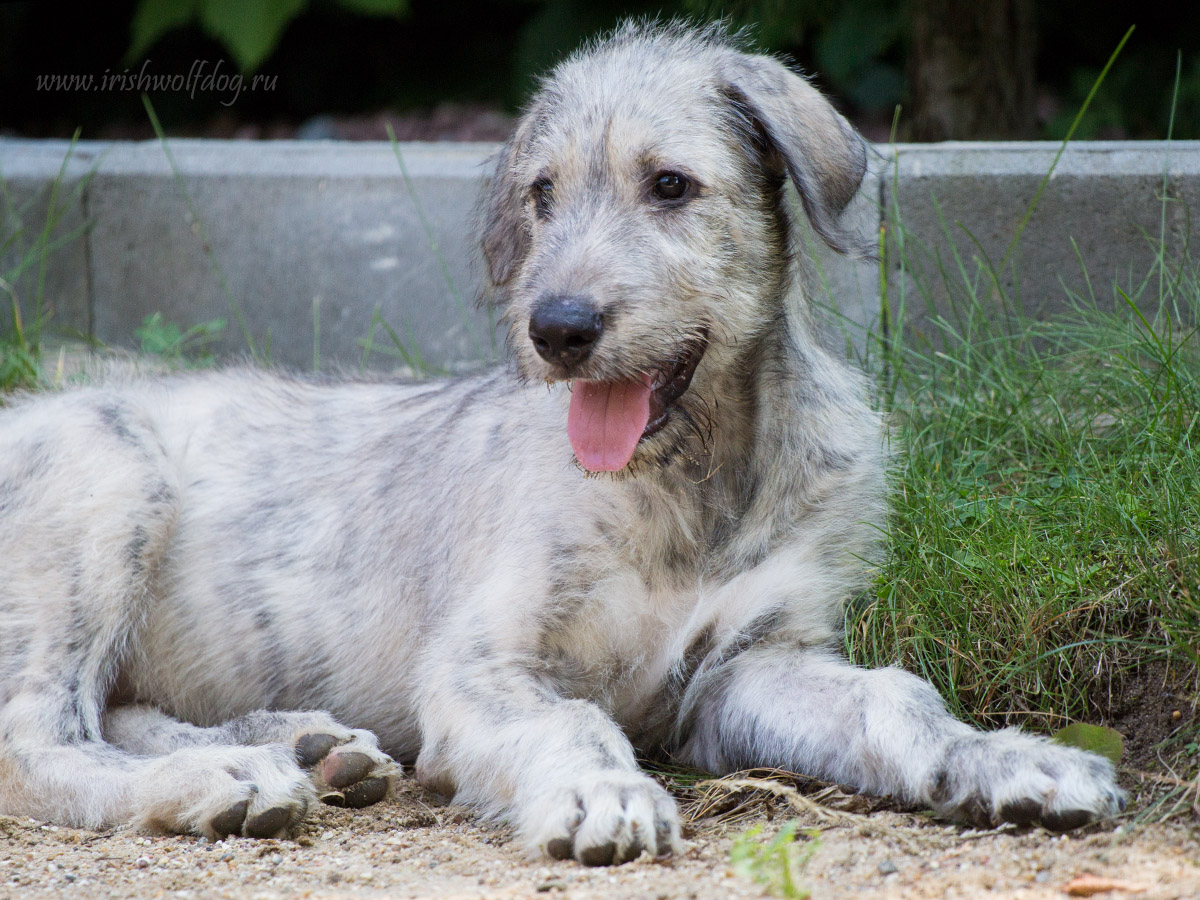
(972, 69)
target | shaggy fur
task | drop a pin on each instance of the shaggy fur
(189, 566)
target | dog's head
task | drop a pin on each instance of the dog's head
(636, 232)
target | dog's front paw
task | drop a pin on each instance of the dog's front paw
(1007, 776)
(603, 819)
(346, 766)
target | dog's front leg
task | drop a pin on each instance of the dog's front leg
(497, 735)
(885, 731)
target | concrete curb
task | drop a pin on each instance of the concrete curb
(299, 233)
(1095, 224)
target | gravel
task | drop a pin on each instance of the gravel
(409, 846)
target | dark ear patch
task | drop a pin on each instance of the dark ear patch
(825, 157)
(752, 136)
(505, 235)
(505, 239)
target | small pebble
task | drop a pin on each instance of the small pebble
(887, 867)
(142, 862)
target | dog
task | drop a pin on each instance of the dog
(639, 534)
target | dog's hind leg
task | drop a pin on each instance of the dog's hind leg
(88, 501)
(345, 765)
(885, 731)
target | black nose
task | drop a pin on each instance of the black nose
(565, 330)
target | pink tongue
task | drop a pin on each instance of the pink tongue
(606, 421)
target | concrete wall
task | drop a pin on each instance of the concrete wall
(1097, 223)
(276, 229)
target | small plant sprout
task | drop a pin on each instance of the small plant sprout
(779, 863)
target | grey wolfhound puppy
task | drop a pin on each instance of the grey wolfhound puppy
(192, 567)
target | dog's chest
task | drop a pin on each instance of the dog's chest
(623, 619)
(623, 640)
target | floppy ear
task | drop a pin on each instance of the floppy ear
(825, 157)
(505, 228)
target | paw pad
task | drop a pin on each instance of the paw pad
(1066, 820)
(268, 823)
(367, 792)
(312, 748)
(230, 821)
(344, 769)
(343, 775)
(1021, 812)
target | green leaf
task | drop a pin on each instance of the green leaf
(1094, 738)
(154, 18)
(376, 7)
(249, 29)
(158, 336)
(163, 338)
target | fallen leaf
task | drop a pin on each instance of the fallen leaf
(1090, 885)
(1094, 738)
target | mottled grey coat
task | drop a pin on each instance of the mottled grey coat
(191, 566)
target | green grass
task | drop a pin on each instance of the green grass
(1045, 520)
(26, 253)
(1045, 524)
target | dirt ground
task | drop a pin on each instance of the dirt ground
(409, 846)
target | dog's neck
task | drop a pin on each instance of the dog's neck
(770, 451)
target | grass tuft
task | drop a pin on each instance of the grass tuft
(25, 254)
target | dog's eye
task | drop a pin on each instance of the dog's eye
(670, 186)
(543, 197)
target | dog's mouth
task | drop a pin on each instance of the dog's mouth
(608, 419)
